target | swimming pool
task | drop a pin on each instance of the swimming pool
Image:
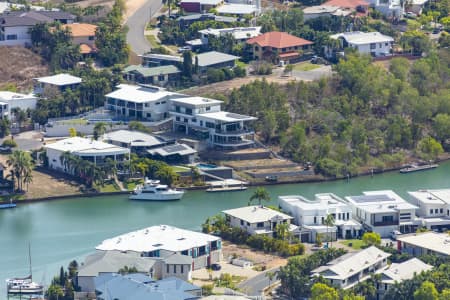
(206, 166)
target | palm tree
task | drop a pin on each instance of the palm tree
(282, 231)
(329, 222)
(271, 276)
(99, 129)
(260, 194)
(21, 164)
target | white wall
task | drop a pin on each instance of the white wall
(380, 48)
(23, 37)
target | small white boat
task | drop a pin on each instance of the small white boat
(227, 185)
(23, 286)
(152, 190)
(415, 168)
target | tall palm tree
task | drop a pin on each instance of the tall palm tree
(99, 129)
(21, 164)
(329, 222)
(282, 231)
(260, 194)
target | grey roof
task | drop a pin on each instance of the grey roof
(32, 18)
(180, 149)
(164, 57)
(115, 286)
(213, 57)
(152, 71)
(135, 138)
(112, 261)
(178, 259)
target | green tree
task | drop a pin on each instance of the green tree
(329, 222)
(187, 64)
(22, 166)
(260, 194)
(429, 148)
(99, 129)
(271, 276)
(4, 127)
(321, 291)
(427, 291)
(371, 238)
(441, 126)
(55, 292)
(167, 175)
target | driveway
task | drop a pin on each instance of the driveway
(322, 71)
(28, 140)
(255, 285)
(136, 26)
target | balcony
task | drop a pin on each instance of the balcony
(238, 132)
(386, 223)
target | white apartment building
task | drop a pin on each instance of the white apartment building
(384, 212)
(311, 214)
(433, 208)
(239, 34)
(87, 149)
(10, 101)
(398, 272)
(203, 118)
(162, 240)
(61, 82)
(373, 43)
(140, 102)
(352, 268)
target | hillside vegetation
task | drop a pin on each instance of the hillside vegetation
(18, 66)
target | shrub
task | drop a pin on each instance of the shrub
(9, 143)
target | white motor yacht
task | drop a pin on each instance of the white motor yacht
(152, 190)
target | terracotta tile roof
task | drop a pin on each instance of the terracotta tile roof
(81, 29)
(347, 3)
(276, 39)
(86, 49)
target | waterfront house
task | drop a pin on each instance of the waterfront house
(239, 34)
(160, 76)
(239, 9)
(311, 215)
(352, 268)
(83, 34)
(199, 6)
(384, 212)
(15, 25)
(416, 6)
(144, 103)
(186, 21)
(162, 240)
(398, 272)
(278, 46)
(425, 243)
(88, 149)
(203, 118)
(372, 43)
(256, 219)
(140, 287)
(214, 59)
(433, 208)
(10, 101)
(61, 82)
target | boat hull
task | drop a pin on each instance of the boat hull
(26, 291)
(417, 169)
(229, 189)
(173, 196)
(9, 205)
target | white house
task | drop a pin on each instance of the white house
(203, 118)
(425, 243)
(373, 43)
(88, 149)
(257, 219)
(61, 82)
(352, 268)
(163, 240)
(140, 102)
(433, 208)
(317, 11)
(311, 214)
(15, 25)
(398, 272)
(10, 101)
(384, 212)
(239, 34)
(416, 6)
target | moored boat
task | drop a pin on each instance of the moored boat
(227, 185)
(8, 205)
(415, 168)
(152, 190)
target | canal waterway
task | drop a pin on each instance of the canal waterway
(62, 230)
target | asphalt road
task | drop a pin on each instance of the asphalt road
(255, 285)
(136, 24)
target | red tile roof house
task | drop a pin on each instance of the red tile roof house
(278, 46)
(361, 7)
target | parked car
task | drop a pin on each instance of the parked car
(5, 150)
(395, 234)
(272, 178)
(184, 49)
(216, 267)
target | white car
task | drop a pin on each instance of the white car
(395, 234)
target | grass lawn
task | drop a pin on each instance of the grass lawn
(131, 183)
(152, 40)
(356, 244)
(75, 121)
(180, 169)
(109, 187)
(305, 66)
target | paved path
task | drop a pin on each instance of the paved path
(136, 24)
(255, 285)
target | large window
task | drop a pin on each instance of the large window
(11, 37)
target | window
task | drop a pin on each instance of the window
(174, 269)
(436, 211)
(177, 118)
(373, 46)
(386, 44)
(385, 286)
(161, 77)
(260, 224)
(194, 120)
(91, 37)
(149, 115)
(248, 223)
(11, 37)
(185, 120)
(182, 269)
(242, 222)
(380, 45)
(315, 220)
(201, 123)
(188, 111)
(431, 211)
(177, 109)
(441, 211)
(167, 269)
(348, 216)
(208, 108)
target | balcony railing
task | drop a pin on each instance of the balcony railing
(386, 223)
(234, 132)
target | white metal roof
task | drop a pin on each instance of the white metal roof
(203, 2)
(135, 138)
(224, 116)
(162, 237)
(320, 9)
(138, 94)
(403, 271)
(237, 9)
(380, 201)
(437, 242)
(213, 57)
(352, 263)
(84, 146)
(60, 79)
(362, 38)
(321, 201)
(11, 96)
(196, 101)
(238, 33)
(256, 214)
(441, 196)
